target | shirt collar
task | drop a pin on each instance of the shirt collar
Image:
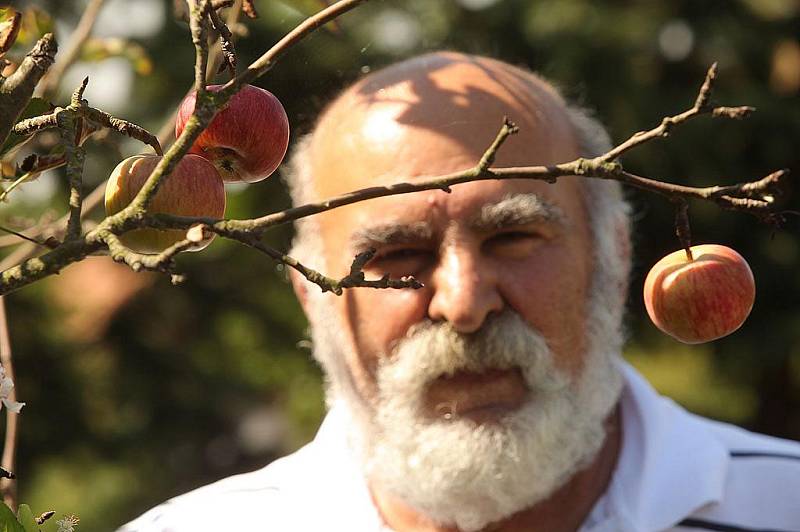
(670, 465)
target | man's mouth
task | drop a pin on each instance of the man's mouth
(485, 396)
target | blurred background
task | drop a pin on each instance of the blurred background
(138, 390)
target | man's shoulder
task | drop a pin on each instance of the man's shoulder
(677, 467)
(239, 502)
(761, 488)
(317, 485)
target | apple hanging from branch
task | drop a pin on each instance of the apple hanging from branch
(247, 139)
(194, 188)
(701, 298)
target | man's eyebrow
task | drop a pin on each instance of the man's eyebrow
(515, 210)
(391, 233)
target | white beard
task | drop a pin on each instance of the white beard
(457, 472)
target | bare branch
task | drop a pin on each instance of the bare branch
(37, 123)
(46, 244)
(82, 32)
(198, 10)
(7, 487)
(162, 262)
(75, 157)
(354, 279)
(226, 42)
(701, 106)
(36, 268)
(123, 126)
(16, 90)
(26, 251)
(682, 228)
(264, 63)
(508, 129)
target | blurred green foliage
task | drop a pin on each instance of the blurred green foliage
(135, 399)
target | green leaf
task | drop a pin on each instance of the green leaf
(35, 107)
(8, 521)
(26, 518)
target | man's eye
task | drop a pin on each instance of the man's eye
(513, 244)
(400, 262)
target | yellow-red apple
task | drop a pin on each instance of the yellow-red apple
(247, 139)
(194, 188)
(702, 299)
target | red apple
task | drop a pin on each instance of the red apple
(247, 139)
(194, 188)
(702, 299)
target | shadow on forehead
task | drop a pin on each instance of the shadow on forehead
(474, 91)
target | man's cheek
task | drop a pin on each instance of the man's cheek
(383, 317)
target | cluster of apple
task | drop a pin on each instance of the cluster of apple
(245, 142)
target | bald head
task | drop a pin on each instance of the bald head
(446, 103)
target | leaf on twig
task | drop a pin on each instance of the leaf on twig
(35, 107)
(26, 518)
(8, 521)
(10, 23)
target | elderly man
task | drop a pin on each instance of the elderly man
(493, 398)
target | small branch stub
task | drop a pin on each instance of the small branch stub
(682, 228)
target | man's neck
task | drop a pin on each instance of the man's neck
(563, 511)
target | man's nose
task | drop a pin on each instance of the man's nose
(465, 290)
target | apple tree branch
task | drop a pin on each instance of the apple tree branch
(756, 197)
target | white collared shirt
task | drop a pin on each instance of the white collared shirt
(676, 472)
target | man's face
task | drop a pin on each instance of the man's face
(487, 247)
(522, 246)
(474, 396)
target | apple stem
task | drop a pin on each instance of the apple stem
(682, 228)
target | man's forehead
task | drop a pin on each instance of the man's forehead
(433, 116)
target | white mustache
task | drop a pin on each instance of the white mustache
(434, 349)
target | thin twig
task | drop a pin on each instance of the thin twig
(75, 157)
(701, 106)
(26, 251)
(162, 262)
(8, 487)
(24, 237)
(82, 32)
(123, 126)
(267, 60)
(226, 42)
(354, 279)
(215, 58)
